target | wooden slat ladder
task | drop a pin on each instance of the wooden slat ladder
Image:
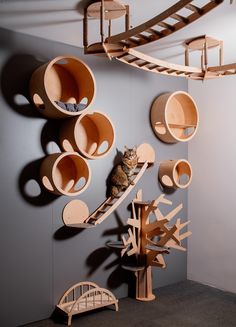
(135, 37)
(107, 207)
(138, 59)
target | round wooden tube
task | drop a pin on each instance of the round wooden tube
(174, 117)
(171, 171)
(65, 79)
(92, 134)
(65, 173)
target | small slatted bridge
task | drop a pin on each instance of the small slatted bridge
(121, 46)
(85, 296)
(76, 213)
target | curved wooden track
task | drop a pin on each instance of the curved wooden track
(138, 59)
(158, 27)
(178, 16)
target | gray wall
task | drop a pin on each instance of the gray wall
(212, 206)
(40, 258)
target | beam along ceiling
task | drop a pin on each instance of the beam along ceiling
(61, 21)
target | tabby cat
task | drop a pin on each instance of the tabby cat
(121, 174)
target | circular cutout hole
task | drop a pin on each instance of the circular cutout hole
(160, 128)
(80, 184)
(103, 147)
(20, 100)
(167, 181)
(32, 188)
(52, 147)
(38, 101)
(183, 179)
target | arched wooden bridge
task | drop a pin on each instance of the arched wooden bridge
(121, 46)
(85, 296)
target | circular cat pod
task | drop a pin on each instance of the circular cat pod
(92, 134)
(174, 117)
(175, 173)
(63, 87)
(65, 173)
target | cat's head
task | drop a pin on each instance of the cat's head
(130, 153)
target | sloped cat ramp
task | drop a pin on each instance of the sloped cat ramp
(76, 213)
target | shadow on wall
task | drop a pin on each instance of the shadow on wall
(15, 79)
(96, 259)
(30, 186)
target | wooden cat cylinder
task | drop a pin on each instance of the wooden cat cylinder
(175, 173)
(174, 117)
(92, 134)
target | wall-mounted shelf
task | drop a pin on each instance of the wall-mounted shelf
(92, 134)
(65, 173)
(63, 87)
(174, 117)
(175, 173)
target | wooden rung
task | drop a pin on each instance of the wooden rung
(92, 217)
(154, 32)
(180, 18)
(193, 8)
(171, 71)
(122, 55)
(162, 69)
(152, 67)
(108, 204)
(101, 210)
(165, 25)
(143, 64)
(130, 61)
(133, 40)
(144, 37)
(177, 125)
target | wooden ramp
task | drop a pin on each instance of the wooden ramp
(180, 15)
(76, 213)
(85, 296)
(138, 59)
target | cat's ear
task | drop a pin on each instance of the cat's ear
(126, 148)
(135, 148)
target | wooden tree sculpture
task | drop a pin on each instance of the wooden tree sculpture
(149, 240)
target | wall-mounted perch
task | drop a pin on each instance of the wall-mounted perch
(74, 213)
(63, 87)
(175, 173)
(83, 297)
(65, 173)
(174, 117)
(92, 134)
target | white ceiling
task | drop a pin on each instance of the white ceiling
(61, 21)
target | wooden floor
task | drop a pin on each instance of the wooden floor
(179, 305)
